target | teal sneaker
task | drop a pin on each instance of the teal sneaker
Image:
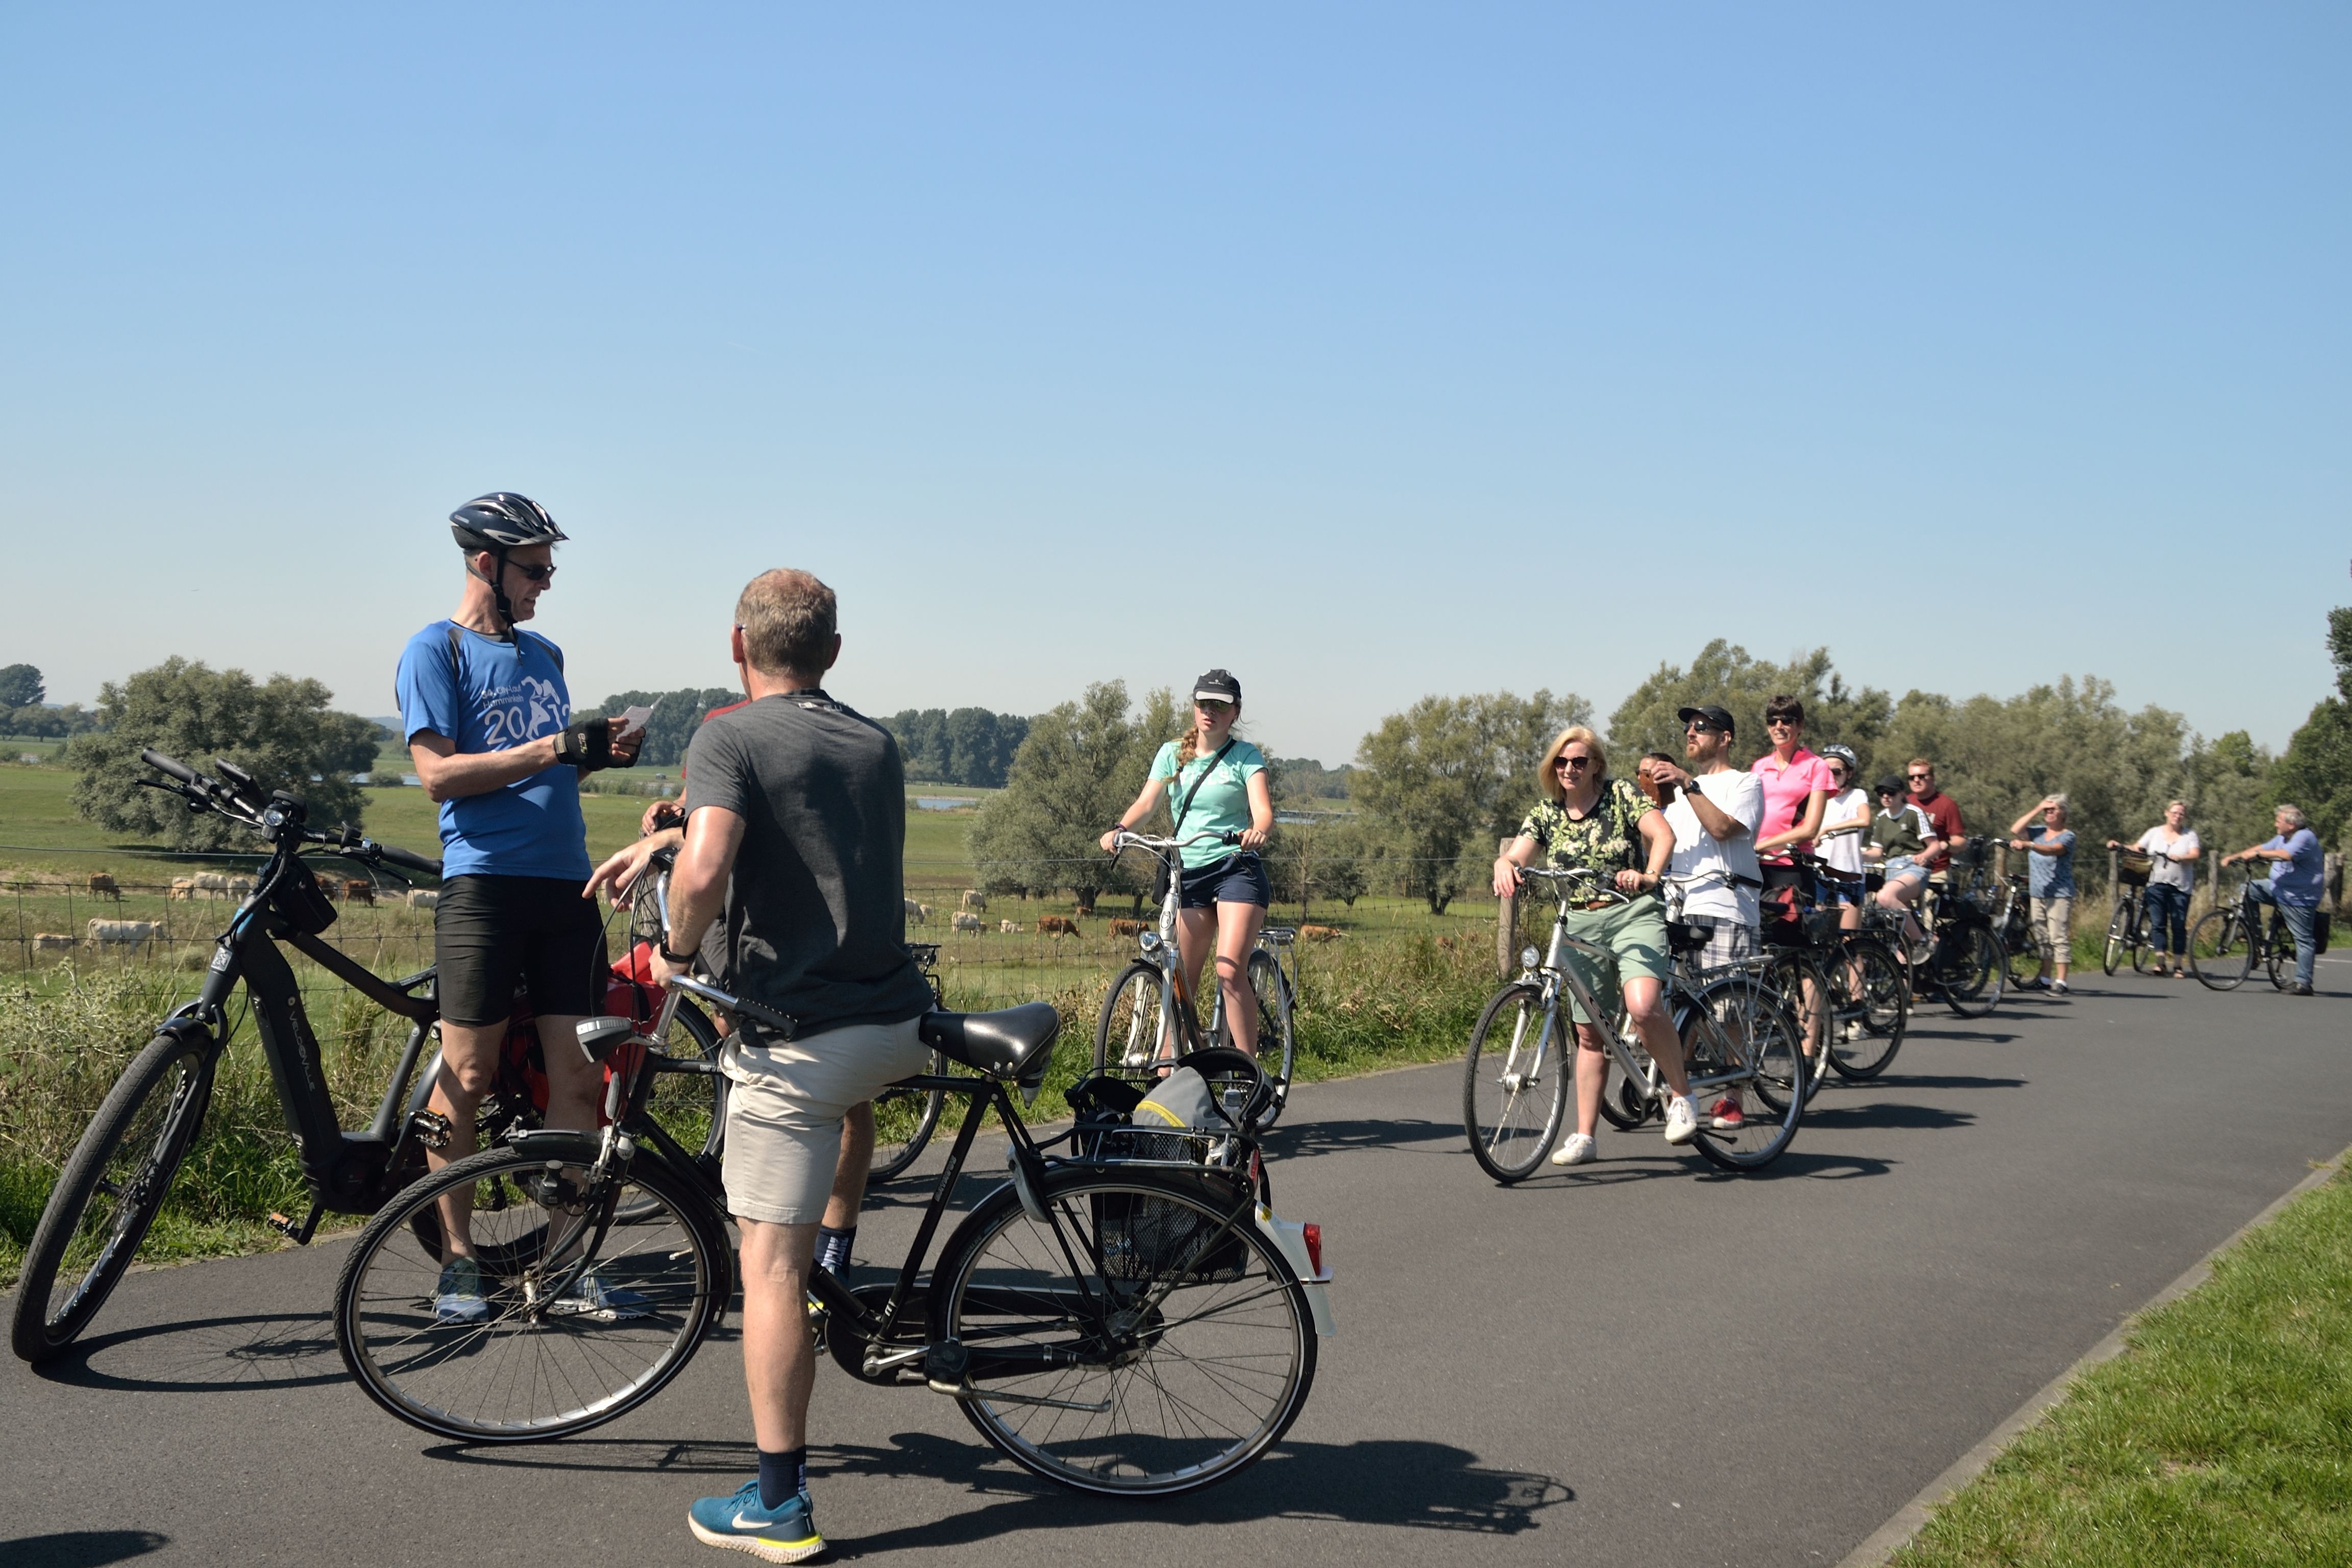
(457, 1298)
(591, 1299)
(785, 1534)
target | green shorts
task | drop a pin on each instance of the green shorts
(1635, 932)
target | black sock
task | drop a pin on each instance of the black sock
(832, 1248)
(782, 1475)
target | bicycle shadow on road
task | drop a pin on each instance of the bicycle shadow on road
(1888, 1113)
(81, 1548)
(259, 1351)
(1391, 1482)
(1308, 1140)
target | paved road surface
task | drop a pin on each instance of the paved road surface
(1640, 1361)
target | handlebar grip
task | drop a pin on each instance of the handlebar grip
(403, 859)
(1231, 838)
(163, 763)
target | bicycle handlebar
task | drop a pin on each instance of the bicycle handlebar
(171, 766)
(1130, 839)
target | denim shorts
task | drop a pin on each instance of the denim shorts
(1904, 866)
(1238, 879)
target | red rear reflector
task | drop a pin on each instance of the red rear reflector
(1313, 1233)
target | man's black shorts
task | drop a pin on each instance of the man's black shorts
(491, 932)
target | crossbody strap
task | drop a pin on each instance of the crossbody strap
(1182, 811)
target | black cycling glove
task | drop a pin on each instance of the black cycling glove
(586, 745)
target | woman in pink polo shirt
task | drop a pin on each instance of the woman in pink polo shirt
(1796, 788)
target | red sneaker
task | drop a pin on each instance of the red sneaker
(1726, 1116)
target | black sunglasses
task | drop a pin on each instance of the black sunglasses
(535, 574)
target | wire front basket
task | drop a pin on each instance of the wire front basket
(2132, 867)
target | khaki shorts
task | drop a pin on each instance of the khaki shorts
(1635, 933)
(784, 1110)
(2054, 927)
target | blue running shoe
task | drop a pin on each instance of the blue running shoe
(591, 1299)
(457, 1298)
(785, 1534)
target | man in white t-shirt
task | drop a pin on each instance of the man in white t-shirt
(1714, 811)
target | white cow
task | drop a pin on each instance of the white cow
(919, 913)
(52, 942)
(133, 935)
(966, 922)
(211, 884)
(422, 898)
(975, 900)
(182, 888)
(1008, 928)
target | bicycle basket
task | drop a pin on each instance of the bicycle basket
(1822, 924)
(1149, 1239)
(2132, 867)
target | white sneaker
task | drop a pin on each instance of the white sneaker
(1682, 1119)
(1575, 1150)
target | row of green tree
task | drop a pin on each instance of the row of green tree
(957, 745)
(1439, 784)
(24, 711)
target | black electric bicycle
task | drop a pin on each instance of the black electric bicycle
(1128, 1318)
(115, 1182)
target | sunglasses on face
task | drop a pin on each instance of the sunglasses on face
(1922, 778)
(1836, 772)
(1211, 707)
(1567, 762)
(1780, 724)
(532, 574)
(1698, 727)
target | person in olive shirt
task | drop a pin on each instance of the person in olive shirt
(1591, 821)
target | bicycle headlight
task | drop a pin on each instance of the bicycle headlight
(1530, 957)
(1148, 941)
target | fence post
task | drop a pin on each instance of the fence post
(1507, 927)
(2115, 892)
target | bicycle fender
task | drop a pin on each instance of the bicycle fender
(1290, 1241)
(1025, 1184)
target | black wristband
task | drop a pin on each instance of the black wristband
(662, 947)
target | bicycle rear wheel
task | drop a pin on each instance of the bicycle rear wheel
(2143, 940)
(2278, 959)
(1276, 1049)
(904, 1119)
(1740, 1031)
(1971, 968)
(1127, 1035)
(1149, 1341)
(1882, 1011)
(591, 1306)
(690, 1106)
(2219, 954)
(108, 1193)
(2119, 935)
(1515, 1083)
(1626, 1102)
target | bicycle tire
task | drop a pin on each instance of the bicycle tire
(1792, 969)
(535, 1368)
(129, 1155)
(1221, 1363)
(1974, 973)
(904, 1121)
(2143, 941)
(1626, 1102)
(1127, 1035)
(2219, 954)
(1509, 1112)
(1885, 991)
(2119, 937)
(1273, 1023)
(693, 1111)
(2279, 958)
(1737, 1023)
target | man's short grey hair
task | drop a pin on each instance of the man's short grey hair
(788, 620)
(2294, 814)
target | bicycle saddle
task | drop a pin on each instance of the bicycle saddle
(1012, 1044)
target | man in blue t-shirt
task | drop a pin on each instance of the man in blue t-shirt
(487, 719)
(2297, 870)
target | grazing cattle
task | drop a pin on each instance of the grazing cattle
(359, 890)
(974, 901)
(103, 886)
(422, 898)
(182, 888)
(52, 942)
(211, 884)
(133, 935)
(1320, 933)
(238, 887)
(1057, 925)
(1008, 928)
(963, 921)
(1127, 928)
(916, 913)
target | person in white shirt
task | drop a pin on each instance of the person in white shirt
(1845, 823)
(2170, 882)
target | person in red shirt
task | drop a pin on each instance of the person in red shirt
(1942, 814)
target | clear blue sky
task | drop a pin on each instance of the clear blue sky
(1372, 352)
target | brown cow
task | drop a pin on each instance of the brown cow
(359, 890)
(103, 886)
(1057, 925)
(1127, 928)
(1320, 933)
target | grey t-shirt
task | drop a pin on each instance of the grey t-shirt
(816, 923)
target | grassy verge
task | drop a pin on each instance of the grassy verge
(2223, 1436)
(68, 1035)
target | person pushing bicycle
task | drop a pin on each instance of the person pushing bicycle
(1216, 784)
(795, 830)
(488, 720)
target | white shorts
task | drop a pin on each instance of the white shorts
(784, 1110)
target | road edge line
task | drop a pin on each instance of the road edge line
(1896, 1533)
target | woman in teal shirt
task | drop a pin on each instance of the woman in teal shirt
(1218, 786)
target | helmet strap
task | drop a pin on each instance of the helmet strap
(497, 582)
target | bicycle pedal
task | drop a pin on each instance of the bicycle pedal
(947, 1368)
(430, 1128)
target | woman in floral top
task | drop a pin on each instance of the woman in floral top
(1591, 821)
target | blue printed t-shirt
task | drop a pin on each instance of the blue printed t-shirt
(497, 697)
(2297, 880)
(1222, 807)
(2051, 876)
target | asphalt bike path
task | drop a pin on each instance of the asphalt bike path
(1636, 1361)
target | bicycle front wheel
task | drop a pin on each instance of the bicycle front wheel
(904, 1119)
(1881, 1013)
(2219, 955)
(2143, 941)
(1148, 1339)
(2278, 958)
(1745, 1051)
(1514, 1084)
(594, 1297)
(1127, 1035)
(1971, 969)
(108, 1193)
(2119, 937)
(1276, 1049)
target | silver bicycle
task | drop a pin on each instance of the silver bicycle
(1741, 1046)
(1147, 1019)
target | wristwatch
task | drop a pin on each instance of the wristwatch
(662, 947)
